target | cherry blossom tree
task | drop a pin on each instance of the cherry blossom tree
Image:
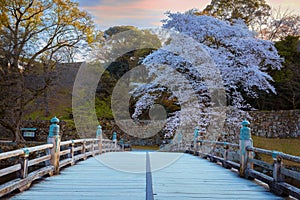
(205, 66)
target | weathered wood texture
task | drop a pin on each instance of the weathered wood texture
(92, 179)
(55, 160)
(174, 176)
(276, 182)
(193, 178)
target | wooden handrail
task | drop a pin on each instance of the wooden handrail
(270, 153)
(10, 154)
(84, 148)
(276, 182)
(218, 143)
(39, 148)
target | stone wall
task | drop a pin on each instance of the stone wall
(282, 124)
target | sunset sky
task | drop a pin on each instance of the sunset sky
(149, 13)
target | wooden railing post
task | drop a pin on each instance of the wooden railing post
(54, 138)
(83, 149)
(245, 141)
(226, 155)
(278, 164)
(121, 142)
(179, 141)
(72, 153)
(99, 136)
(114, 139)
(93, 147)
(196, 134)
(24, 164)
(201, 148)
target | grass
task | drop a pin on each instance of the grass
(286, 145)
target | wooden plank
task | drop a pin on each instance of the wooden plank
(232, 164)
(260, 176)
(89, 179)
(64, 152)
(89, 153)
(78, 157)
(79, 148)
(65, 143)
(261, 164)
(78, 141)
(290, 157)
(21, 183)
(174, 176)
(10, 154)
(290, 173)
(65, 162)
(9, 187)
(96, 151)
(40, 147)
(38, 160)
(291, 190)
(9, 170)
(193, 178)
(259, 150)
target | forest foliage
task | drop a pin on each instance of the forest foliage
(245, 40)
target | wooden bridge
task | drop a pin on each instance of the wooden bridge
(99, 168)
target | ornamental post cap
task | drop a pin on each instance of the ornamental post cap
(54, 120)
(245, 123)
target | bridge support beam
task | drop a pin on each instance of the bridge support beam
(54, 138)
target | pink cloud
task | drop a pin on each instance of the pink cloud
(142, 13)
(147, 13)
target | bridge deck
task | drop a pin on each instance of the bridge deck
(123, 175)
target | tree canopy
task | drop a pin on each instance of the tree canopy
(241, 63)
(287, 80)
(33, 33)
(247, 10)
(30, 28)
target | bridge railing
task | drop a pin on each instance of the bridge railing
(34, 162)
(279, 172)
(21, 168)
(223, 152)
(243, 157)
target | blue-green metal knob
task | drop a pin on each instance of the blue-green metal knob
(245, 132)
(99, 131)
(196, 132)
(54, 120)
(54, 127)
(114, 138)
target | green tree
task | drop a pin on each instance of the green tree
(120, 39)
(247, 10)
(287, 80)
(33, 31)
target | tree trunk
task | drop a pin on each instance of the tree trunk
(46, 103)
(18, 135)
(19, 107)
